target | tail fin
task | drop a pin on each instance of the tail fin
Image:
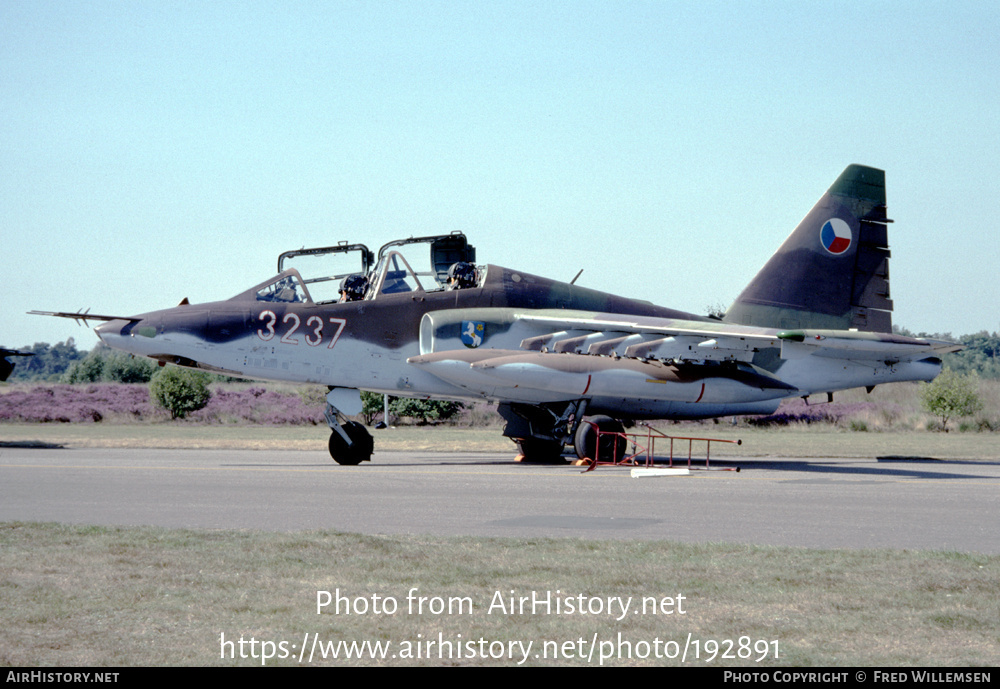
(833, 271)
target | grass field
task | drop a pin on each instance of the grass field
(95, 596)
(89, 596)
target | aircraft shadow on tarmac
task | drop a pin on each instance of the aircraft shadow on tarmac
(477, 461)
(31, 445)
(884, 466)
(893, 467)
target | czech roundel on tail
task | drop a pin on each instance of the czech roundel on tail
(816, 319)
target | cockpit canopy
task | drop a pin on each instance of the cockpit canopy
(317, 274)
(394, 275)
(287, 289)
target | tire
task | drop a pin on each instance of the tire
(361, 449)
(612, 447)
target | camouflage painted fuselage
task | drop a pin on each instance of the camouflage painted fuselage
(361, 344)
(536, 341)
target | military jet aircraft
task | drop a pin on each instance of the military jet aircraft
(6, 365)
(815, 319)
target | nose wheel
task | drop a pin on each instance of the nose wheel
(356, 448)
(350, 442)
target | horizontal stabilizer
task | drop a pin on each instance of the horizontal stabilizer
(860, 346)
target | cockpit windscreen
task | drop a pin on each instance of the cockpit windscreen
(286, 290)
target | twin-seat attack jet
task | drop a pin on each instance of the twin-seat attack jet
(6, 365)
(561, 361)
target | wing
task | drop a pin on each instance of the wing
(540, 356)
(560, 355)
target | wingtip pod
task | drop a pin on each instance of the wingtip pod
(833, 271)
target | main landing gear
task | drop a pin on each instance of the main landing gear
(600, 437)
(541, 432)
(350, 442)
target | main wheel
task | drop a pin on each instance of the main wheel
(611, 446)
(359, 451)
(539, 451)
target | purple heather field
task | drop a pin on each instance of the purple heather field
(797, 411)
(119, 403)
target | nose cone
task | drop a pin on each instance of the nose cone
(111, 331)
(133, 335)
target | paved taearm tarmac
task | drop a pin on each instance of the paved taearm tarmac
(824, 503)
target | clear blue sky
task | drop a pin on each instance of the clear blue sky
(151, 151)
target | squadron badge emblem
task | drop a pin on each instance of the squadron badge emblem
(472, 333)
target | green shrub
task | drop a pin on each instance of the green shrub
(125, 368)
(372, 405)
(950, 396)
(179, 390)
(424, 411)
(87, 370)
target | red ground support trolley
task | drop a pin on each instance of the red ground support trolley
(618, 448)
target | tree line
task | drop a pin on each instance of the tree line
(64, 363)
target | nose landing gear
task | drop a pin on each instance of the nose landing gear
(353, 449)
(350, 442)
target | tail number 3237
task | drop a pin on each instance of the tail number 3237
(312, 330)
